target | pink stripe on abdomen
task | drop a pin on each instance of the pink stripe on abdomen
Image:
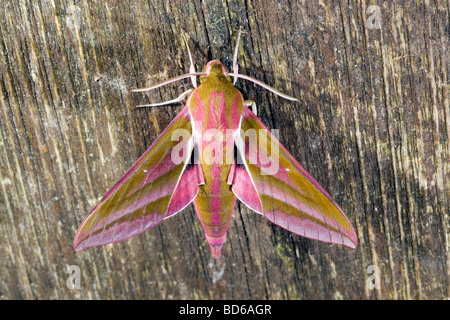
(214, 205)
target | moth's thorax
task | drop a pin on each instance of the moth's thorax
(216, 103)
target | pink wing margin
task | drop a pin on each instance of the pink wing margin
(287, 196)
(154, 188)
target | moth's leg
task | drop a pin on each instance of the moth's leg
(252, 105)
(192, 67)
(179, 99)
(235, 64)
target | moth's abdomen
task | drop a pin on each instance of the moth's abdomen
(214, 205)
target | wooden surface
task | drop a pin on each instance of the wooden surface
(372, 126)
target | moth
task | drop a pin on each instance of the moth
(215, 151)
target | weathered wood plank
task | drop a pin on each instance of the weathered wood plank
(372, 126)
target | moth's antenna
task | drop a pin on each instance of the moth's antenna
(236, 49)
(184, 76)
(173, 101)
(192, 67)
(242, 76)
(262, 84)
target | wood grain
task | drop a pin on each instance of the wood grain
(372, 126)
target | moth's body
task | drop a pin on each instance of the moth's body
(216, 106)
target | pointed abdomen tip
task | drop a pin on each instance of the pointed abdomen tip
(215, 250)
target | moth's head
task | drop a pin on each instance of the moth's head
(214, 68)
